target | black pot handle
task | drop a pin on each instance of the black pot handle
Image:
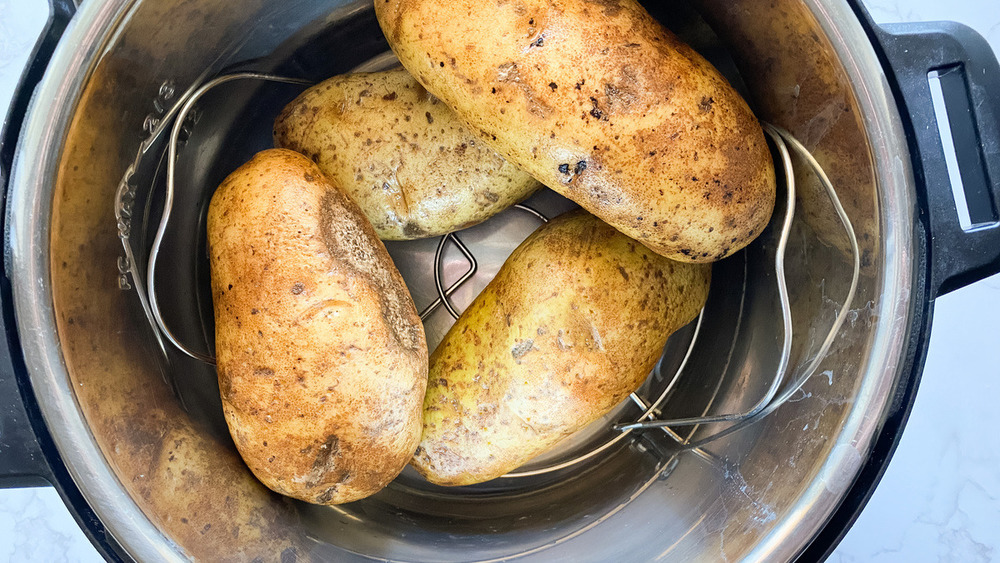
(959, 60)
(22, 459)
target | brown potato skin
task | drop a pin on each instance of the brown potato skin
(599, 102)
(403, 156)
(321, 356)
(572, 323)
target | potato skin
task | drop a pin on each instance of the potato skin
(572, 323)
(599, 102)
(403, 156)
(321, 356)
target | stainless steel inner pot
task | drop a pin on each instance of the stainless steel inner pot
(143, 436)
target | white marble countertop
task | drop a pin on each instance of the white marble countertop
(940, 497)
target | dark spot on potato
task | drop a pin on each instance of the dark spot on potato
(298, 288)
(553, 85)
(389, 97)
(706, 104)
(263, 372)
(622, 271)
(580, 83)
(309, 177)
(580, 167)
(538, 42)
(328, 450)
(230, 286)
(430, 118)
(414, 230)
(563, 169)
(328, 494)
(596, 111)
(254, 311)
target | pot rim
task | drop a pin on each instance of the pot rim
(30, 208)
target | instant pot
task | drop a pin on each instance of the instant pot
(95, 401)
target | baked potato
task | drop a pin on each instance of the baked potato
(572, 323)
(599, 102)
(321, 356)
(403, 156)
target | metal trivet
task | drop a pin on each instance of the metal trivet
(777, 393)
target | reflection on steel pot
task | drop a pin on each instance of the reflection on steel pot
(132, 429)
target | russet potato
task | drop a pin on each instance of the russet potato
(403, 156)
(601, 103)
(322, 360)
(572, 323)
